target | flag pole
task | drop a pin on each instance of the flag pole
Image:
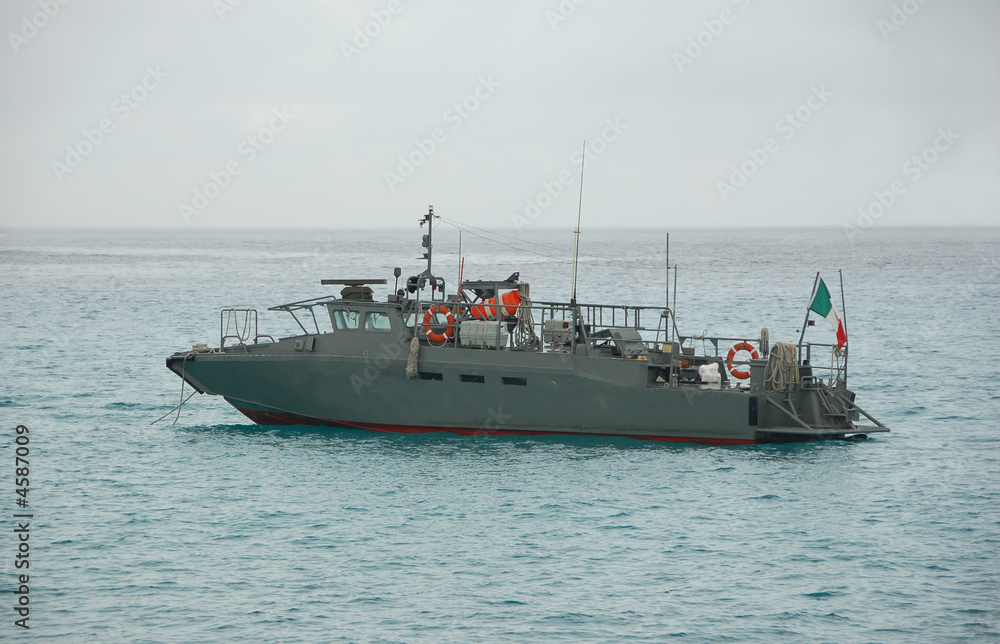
(805, 323)
(843, 308)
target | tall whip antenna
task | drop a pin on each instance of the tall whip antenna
(576, 233)
(666, 287)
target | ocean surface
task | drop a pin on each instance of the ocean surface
(217, 530)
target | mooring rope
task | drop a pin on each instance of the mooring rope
(195, 350)
(172, 410)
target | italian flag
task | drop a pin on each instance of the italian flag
(822, 303)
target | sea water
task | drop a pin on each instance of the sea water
(217, 530)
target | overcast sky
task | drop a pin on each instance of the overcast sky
(326, 113)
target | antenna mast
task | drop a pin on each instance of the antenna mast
(428, 238)
(576, 233)
(666, 298)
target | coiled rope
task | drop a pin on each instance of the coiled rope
(835, 367)
(782, 368)
(524, 332)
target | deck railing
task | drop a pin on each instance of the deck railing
(595, 317)
(239, 325)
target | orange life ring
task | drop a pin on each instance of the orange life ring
(434, 336)
(740, 374)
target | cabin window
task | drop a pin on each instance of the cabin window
(424, 375)
(377, 322)
(520, 382)
(345, 319)
(465, 377)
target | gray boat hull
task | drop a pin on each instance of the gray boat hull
(363, 385)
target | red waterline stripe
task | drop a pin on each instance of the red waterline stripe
(273, 418)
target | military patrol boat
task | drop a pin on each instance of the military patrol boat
(488, 360)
